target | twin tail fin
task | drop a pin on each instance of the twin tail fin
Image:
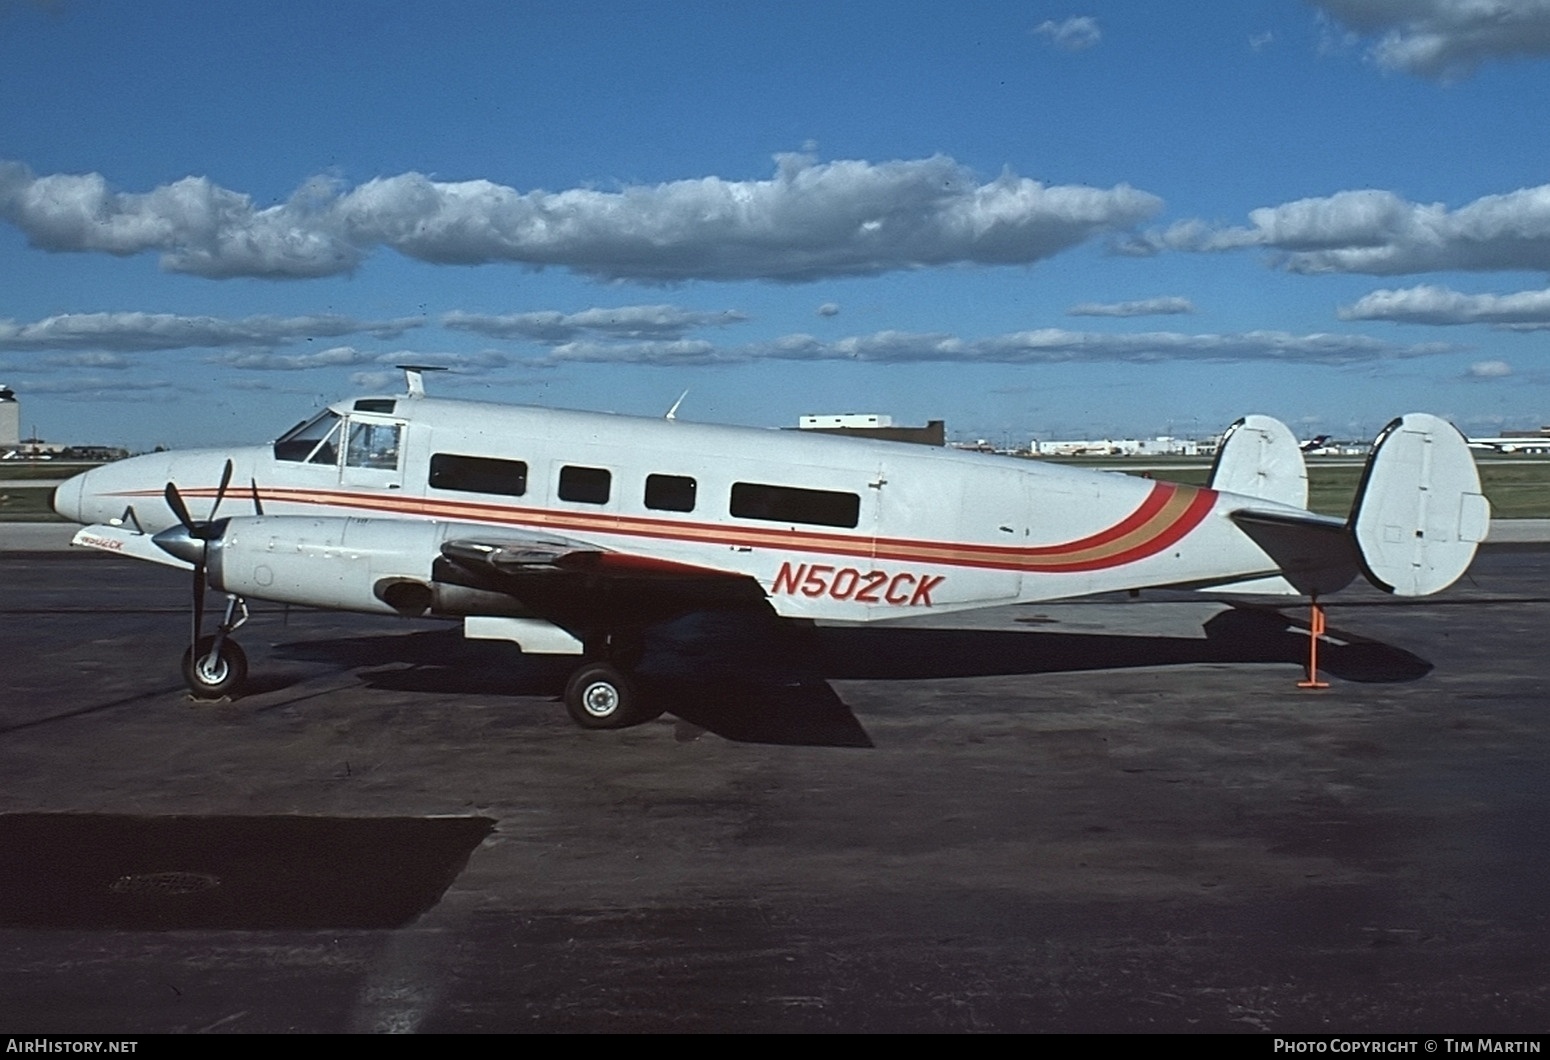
(1418, 516)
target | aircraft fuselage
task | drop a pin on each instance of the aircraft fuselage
(834, 528)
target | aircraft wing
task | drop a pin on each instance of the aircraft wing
(582, 587)
(122, 541)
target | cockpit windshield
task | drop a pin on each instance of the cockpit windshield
(313, 442)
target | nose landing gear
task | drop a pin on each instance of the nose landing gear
(216, 666)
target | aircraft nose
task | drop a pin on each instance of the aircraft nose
(67, 498)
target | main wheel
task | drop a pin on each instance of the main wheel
(599, 696)
(209, 677)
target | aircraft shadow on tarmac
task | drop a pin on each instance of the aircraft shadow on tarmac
(137, 873)
(744, 679)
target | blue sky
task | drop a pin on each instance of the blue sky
(1027, 219)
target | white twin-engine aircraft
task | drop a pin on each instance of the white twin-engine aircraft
(575, 532)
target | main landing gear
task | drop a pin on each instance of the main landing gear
(216, 666)
(603, 693)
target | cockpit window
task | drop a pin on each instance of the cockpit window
(313, 442)
(373, 445)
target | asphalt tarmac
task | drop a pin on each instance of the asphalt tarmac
(1107, 815)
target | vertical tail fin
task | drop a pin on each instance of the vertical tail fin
(1419, 513)
(1260, 458)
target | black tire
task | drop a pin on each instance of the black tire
(600, 696)
(224, 677)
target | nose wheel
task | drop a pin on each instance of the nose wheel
(215, 667)
(213, 672)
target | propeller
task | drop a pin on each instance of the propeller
(190, 540)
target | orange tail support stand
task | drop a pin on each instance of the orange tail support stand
(1315, 631)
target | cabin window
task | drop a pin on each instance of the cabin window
(586, 485)
(789, 504)
(314, 442)
(373, 445)
(670, 493)
(478, 474)
(382, 405)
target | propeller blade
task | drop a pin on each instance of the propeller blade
(258, 509)
(179, 509)
(220, 491)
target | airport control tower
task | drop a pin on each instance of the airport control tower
(10, 419)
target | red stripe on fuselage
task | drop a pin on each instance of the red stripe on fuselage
(1150, 523)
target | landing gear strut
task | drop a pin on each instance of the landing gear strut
(217, 666)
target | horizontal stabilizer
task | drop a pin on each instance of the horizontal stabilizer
(1419, 512)
(1315, 553)
(1260, 458)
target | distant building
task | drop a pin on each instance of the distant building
(875, 425)
(846, 420)
(10, 420)
(14, 447)
(1163, 445)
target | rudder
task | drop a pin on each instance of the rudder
(1259, 457)
(1419, 512)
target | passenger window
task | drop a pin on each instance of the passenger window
(373, 445)
(670, 493)
(587, 485)
(478, 474)
(789, 504)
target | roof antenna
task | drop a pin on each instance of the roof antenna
(415, 375)
(672, 413)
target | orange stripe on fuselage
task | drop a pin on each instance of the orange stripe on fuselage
(1176, 514)
(1167, 514)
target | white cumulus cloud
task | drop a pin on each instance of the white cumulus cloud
(1428, 304)
(1377, 232)
(622, 322)
(349, 357)
(1042, 346)
(1445, 39)
(1165, 306)
(809, 220)
(1489, 370)
(126, 332)
(1072, 34)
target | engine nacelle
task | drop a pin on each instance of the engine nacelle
(380, 566)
